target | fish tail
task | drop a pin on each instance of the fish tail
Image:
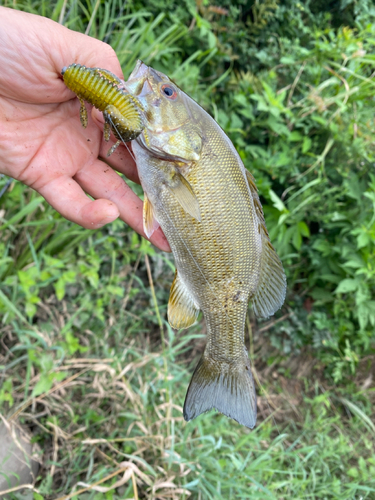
(228, 387)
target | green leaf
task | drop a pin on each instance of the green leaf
(353, 472)
(323, 246)
(30, 309)
(303, 229)
(287, 60)
(46, 381)
(28, 209)
(359, 414)
(73, 344)
(363, 240)
(59, 287)
(347, 285)
(43, 385)
(295, 136)
(306, 144)
(277, 203)
(116, 290)
(10, 306)
(6, 392)
(297, 238)
(363, 315)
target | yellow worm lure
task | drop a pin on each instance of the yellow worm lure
(123, 113)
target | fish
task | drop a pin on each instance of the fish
(123, 115)
(198, 190)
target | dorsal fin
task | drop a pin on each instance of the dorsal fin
(182, 310)
(271, 290)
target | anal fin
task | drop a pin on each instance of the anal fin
(182, 310)
(150, 224)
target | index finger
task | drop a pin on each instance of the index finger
(100, 181)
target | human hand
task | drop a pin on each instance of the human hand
(42, 142)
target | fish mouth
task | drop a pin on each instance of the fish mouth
(140, 70)
(143, 80)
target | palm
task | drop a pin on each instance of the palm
(53, 144)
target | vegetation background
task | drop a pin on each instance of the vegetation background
(87, 360)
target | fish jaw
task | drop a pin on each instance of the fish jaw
(137, 78)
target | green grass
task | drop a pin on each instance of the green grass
(124, 404)
(89, 365)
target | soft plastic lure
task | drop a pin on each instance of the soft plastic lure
(123, 113)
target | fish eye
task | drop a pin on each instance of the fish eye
(169, 91)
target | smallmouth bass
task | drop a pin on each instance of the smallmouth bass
(197, 188)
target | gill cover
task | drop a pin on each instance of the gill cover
(171, 132)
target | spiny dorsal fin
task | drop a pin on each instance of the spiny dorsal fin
(182, 310)
(183, 192)
(256, 200)
(150, 224)
(271, 290)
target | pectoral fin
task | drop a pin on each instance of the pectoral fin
(150, 224)
(270, 293)
(183, 192)
(182, 310)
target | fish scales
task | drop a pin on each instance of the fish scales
(198, 190)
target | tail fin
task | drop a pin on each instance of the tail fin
(227, 387)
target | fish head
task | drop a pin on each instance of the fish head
(171, 131)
